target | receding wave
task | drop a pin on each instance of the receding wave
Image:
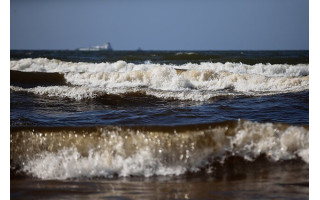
(185, 82)
(80, 152)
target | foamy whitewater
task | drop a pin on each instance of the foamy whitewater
(115, 151)
(198, 82)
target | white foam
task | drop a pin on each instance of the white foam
(77, 93)
(265, 138)
(68, 163)
(161, 82)
(47, 65)
(197, 82)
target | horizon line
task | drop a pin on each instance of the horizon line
(163, 50)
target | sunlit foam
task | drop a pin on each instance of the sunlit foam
(198, 82)
(114, 151)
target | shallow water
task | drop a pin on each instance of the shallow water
(159, 125)
(277, 181)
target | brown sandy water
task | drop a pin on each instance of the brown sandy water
(246, 180)
(230, 160)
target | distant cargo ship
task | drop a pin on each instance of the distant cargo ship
(104, 47)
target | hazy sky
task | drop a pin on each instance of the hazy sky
(160, 25)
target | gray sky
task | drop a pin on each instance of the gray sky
(160, 25)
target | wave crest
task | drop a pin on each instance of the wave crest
(198, 82)
(47, 65)
(143, 151)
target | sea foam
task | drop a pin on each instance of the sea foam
(198, 82)
(48, 65)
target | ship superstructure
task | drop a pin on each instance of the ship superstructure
(104, 47)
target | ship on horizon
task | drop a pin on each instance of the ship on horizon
(104, 47)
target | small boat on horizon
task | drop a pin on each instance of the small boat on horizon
(104, 47)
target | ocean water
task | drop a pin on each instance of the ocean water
(159, 124)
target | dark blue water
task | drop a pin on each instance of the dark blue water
(29, 109)
(174, 57)
(33, 110)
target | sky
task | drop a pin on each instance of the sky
(160, 25)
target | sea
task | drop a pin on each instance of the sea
(159, 124)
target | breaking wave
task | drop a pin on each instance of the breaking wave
(185, 82)
(88, 152)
